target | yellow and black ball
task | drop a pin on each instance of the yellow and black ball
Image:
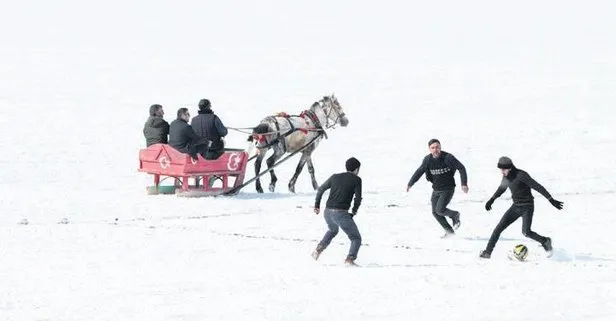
(520, 252)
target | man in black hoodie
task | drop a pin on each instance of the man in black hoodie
(183, 138)
(209, 126)
(520, 184)
(156, 128)
(440, 168)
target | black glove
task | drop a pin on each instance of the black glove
(489, 204)
(557, 204)
(353, 213)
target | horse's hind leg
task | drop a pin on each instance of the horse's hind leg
(258, 161)
(315, 185)
(270, 162)
(300, 166)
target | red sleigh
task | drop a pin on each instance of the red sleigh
(224, 175)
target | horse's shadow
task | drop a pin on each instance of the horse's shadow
(271, 196)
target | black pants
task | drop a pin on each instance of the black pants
(512, 214)
(214, 154)
(199, 147)
(440, 200)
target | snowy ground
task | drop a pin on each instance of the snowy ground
(532, 81)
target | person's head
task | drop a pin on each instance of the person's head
(204, 104)
(435, 147)
(183, 114)
(156, 110)
(352, 165)
(505, 164)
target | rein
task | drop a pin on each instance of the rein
(310, 114)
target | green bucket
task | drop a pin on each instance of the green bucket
(162, 189)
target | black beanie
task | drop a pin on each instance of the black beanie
(504, 163)
(432, 141)
(204, 104)
(352, 164)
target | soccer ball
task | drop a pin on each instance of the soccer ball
(520, 252)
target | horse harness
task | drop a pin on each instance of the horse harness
(280, 138)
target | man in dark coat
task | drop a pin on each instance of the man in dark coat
(440, 168)
(156, 128)
(183, 138)
(520, 183)
(210, 127)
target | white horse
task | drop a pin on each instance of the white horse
(287, 134)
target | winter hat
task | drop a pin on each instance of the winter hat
(504, 163)
(204, 104)
(432, 141)
(352, 164)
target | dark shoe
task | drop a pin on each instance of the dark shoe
(456, 220)
(547, 246)
(317, 252)
(349, 262)
(485, 254)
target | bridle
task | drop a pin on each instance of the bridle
(328, 109)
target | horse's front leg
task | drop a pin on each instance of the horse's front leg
(300, 166)
(258, 161)
(315, 185)
(270, 162)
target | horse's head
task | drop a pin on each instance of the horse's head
(333, 111)
(259, 133)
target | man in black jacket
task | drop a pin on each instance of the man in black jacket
(183, 138)
(440, 168)
(520, 184)
(209, 126)
(343, 186)
(156, 128)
